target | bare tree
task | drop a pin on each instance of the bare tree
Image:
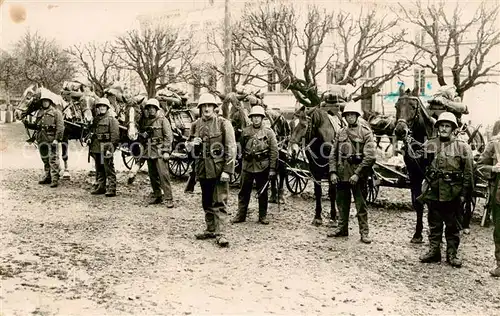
(151, 52)
(42, 61)
(98, 61)
(275, 32)
(364, 41)
(465, 44)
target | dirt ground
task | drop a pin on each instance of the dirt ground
(65, 252)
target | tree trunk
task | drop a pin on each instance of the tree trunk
(151, 88)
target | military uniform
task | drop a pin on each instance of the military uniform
(353, 153)
(260, 155)
(50, 126)
(105, 138)
(158, 141)
(448, 168)
(216, 154)
(489, 158)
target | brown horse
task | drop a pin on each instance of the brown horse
(414, 126)
(315, 129)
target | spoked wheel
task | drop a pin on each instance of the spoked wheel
(84, 136)
(178, 165)
(128, 160)
(371, 188)
(485, 219)
(296, 180)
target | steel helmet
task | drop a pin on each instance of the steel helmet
(47, 95)
(207, 98)
(103, 101)
(154, 103)
(257, 110)
(351, 107)
(446, 117)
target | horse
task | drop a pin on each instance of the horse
(281, 128)
(75, 116)
(316, 129)
(414, 125)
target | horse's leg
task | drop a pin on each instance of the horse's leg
(416, 191)
(274, 191)
(317, 195)
(281, 179)
(133, 171)
(332, 192)
(65, 150)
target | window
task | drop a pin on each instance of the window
(212, 80)
(367, 71)
(271, 77)
(419, 80)
(171, 74)
(196, 91)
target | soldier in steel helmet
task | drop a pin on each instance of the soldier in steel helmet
(105, 137)
(351, 161)
(448, 167)
(260, 155)
(489, 166)
(50, 126)
(157, 135)
(214, 152)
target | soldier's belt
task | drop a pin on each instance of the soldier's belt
(352, 159)
(47, 128)
(446, 176)
(103, 136)
(156, 140)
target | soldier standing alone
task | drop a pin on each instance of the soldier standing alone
(352, 158)
(448, 168)
(260, 155)
(215, 153)
(50, 126)
(489, 166)
(105, 137)
(157, 133)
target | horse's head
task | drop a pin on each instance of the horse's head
(407, 109)
(133, 112)
(28, 103)
(301, 122)
(87, 106)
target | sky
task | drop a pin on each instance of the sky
(74, 21)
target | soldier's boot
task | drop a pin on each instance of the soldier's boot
(263, 220)
(433, 255)
(170, 203)
(110, 193)
(274, 197)
(205, 235)
(496, 272)
(365, 238)
(222, 241)
(339, 232)
(54, 184)
(154, 199)
(240, 217)
(98, 189)
(453, 260)
(45, 180)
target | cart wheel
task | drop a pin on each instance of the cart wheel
(485, 220)
(371, 188)
(178, 167)
(296, 181)
(128, 160)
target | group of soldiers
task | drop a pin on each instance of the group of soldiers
(448, 165)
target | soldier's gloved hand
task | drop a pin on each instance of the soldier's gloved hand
(166, 156)
(224, 177)
(55, 142)
(144, 135)
(197, 141)
(354, 179)
(272, 174)
(334, 178)
(108, 153)
(496, 168)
